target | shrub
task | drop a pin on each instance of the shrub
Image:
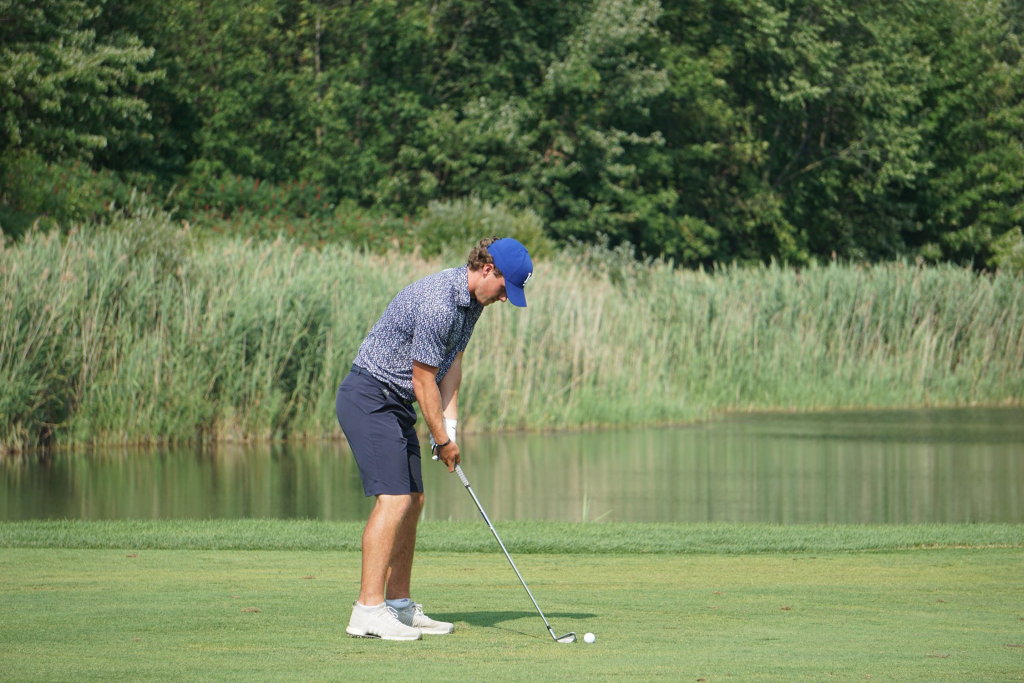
(1008, 251)
(450, 229)
(61, 195)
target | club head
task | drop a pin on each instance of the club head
(567, 638)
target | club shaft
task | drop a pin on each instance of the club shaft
(465, 482)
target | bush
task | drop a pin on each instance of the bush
(60, 195)
(450, 229)
(1008, 251)
(618, 264)
(228, 197)
(304, 212)
(374, 233)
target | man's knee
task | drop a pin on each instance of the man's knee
(395, 505)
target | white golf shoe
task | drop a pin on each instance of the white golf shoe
(413, 616)
(380, 622)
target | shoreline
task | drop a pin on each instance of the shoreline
(339, 438)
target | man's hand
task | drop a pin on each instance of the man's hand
(450, 455)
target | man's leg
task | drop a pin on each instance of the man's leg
(400, 572)
(370, 616)
(379, 542)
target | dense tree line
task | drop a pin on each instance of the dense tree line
(698, 130)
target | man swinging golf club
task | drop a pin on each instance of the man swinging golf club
(414, 354)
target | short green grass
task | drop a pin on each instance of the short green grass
(519, 536)
(181, 615)
(131, 612)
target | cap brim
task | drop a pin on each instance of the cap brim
(516, 295)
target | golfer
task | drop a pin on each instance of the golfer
(414, 354)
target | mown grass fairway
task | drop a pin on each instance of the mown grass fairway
(945, 614)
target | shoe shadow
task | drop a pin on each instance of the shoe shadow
(497, 619)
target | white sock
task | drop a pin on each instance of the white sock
(368, 608)
(399, 604)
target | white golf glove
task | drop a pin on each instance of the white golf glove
(449, 427)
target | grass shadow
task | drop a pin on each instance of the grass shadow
(489, 619)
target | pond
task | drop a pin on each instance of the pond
(889, 467)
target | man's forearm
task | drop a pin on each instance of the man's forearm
(449, 389)
(429, 397)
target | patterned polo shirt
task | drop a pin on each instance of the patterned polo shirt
(429, 321)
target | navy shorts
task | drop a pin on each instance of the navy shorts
(379, 426)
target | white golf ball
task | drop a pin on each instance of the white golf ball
(589, 638)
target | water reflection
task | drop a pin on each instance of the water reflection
(879, 467)
(229, 482)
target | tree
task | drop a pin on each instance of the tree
(794, 127)
(66, 93)
(975, 194)
(544, 105)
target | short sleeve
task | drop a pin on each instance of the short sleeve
(433, 325)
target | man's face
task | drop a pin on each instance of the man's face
(491, 288)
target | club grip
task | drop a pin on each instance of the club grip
(458, 471)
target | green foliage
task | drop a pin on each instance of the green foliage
(350, 225)
(698, 131)
(225, 196)
(594, 121)
(1008, 251)
(148, 238)
(298, 210)
(49, 359)
(138, 332)
(450, 229)
(793, 128)
(616, 264)
(67, 90)
(61, 194)
(976, 193)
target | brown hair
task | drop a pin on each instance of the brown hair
(479, 256)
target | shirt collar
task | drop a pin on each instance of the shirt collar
(462, 296)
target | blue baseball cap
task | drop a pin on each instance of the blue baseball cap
(513, 260)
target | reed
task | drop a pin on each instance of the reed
(138, 334)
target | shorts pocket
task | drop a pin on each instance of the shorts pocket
(365, 394)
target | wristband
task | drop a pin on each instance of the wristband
(436, 448)
(449, 426)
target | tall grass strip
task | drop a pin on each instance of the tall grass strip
(136, 334)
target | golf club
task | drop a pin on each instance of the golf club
(568, 637)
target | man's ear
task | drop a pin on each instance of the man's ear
(487, 269)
